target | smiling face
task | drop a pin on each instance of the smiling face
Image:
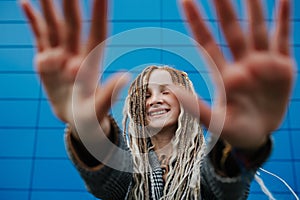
(162, 106)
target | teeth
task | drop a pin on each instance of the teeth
(157, 113)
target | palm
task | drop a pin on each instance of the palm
(257, 92)
(69, 69)
(253, 90)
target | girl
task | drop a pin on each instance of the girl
(165, 158)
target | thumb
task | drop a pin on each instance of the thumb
(108, 93)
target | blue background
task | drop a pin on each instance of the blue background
(33, 161)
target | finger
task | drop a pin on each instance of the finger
(52, 21)
(258, 29)
(193, 105)
(37, 25)
(98, 25)
(107, 95)
(231, 28)
(282, 33)
(202, 34)
(73, 25)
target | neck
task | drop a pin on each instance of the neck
(162, 141)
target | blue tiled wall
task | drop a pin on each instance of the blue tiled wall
(33, 161)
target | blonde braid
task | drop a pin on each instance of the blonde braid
(183, 179)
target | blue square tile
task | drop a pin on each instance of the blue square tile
(13, 194)
(294, 114)
(56, 175)
(18, 113)
(297, 176)
(19, 86)
(282, 146)
(10, 10)
(171, 10)
(296, 87)
(296, 31)
(17, 142)
(139, 34)
(295, 12)
(295, 138)
(257, 196)
(15, 173)
(17, 60)
(119, 27)
(174, 36)
(282, 169)
(47, 117)
(50, 143)
(61, 195)
(15, 34)
(131, 58)
(135, 10)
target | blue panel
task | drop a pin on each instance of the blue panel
(50, 143)
(294, 113)
(296, 88)
(10, 10)
(15, 34)
(13, 194)
(282, 169)
(255, 196)
(15, 60)
(296, 32)
(297, 176)
(132, 60)
(56, 175)
(281, 141)
(183, 27)
(16, 142)
(295, 138)
(120, 26)
(61, 195)
(171, 10)
(19, 86)
(18, 113)
(15, 173)
(47, 117)
(136, 10)
(296, 6)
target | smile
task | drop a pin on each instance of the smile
(159, 112)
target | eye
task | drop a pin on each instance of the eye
(166, 92)
(148, 95)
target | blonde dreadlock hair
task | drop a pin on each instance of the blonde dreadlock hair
(183, 179)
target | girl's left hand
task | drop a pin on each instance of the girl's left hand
(257, 82)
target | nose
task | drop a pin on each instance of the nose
(155, 99)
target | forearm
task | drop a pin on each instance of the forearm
(100, 179)
(79, 149)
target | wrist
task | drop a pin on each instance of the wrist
(252, 158)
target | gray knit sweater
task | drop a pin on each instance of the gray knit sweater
(107, 183)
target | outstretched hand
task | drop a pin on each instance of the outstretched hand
(257, 83)
(61, 55)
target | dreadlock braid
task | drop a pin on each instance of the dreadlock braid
(183, 178)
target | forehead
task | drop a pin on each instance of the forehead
(160, 77)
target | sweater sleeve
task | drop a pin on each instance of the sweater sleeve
(235, 183)
(103, 181)
(215, 186)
